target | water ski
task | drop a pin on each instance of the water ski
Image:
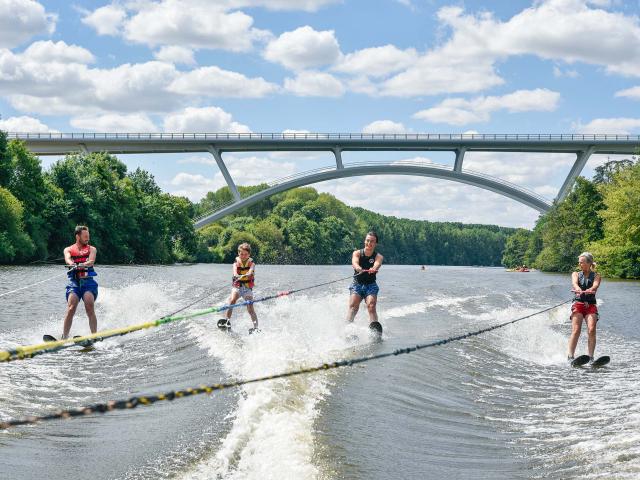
(580, 361)
(601, 361)
(224, 324)
(87, 344)
(254, 330)
(376, 329)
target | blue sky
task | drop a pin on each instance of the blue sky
(389, 66)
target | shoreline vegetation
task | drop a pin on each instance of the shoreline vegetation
(601, 216)
(133, 222)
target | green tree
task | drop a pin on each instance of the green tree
(516, 248)
(15, 244)
(5, 161)
(303, 236)
(569, 226)
(27, 184)
(618, 253)
(604, 173)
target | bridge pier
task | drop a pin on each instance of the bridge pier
(225, 173)
(581, 160)
(457, 167)
(338, 154)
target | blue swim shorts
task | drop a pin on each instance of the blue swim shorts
(364, 290)
(81, 287)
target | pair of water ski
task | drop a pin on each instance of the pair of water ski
(583, 360)
(87, 345)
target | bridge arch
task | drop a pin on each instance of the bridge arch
(476, 179)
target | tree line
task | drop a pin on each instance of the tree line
(601, 215)
(132, 221)
(302, 226)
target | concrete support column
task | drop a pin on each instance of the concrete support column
(338, 154)
(581, 161)
(457, 167)
(225, 173)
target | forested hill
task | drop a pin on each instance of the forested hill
(132, 221)
(302, 226)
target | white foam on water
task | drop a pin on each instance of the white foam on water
(405, 310)
(64, 378)
(435, 301)
(272, 431)
(578, 423)
(532, 339)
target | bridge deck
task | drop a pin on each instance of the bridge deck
(583, 146)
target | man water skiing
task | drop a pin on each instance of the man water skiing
(366, 262)
(82, 285)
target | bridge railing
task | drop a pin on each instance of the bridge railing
(207, 137)
(410, 162)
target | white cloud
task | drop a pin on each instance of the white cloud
(203, 120)
(362, 84)
(252, 170)
(193, 24)
(50, 105)
(458, 111)
(306, 5)
(303, 48)
(534, 171)
(25, 124)
(215, 82)
(314, 84)
(633, 93)
(384, 126)
(175, 54)
(571, 31)
(377, 61)
(245, 170)
(560, 30)
(48, 51)
(621, 126)
(25, 76)
(107, 20)
(293, 132)
(40, 81)
(22, 19)
(193, 186)
(440, 72)
(135, 87)
(430, 199)
(114, 123)
(55, 87)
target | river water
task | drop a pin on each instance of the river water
(503, 405)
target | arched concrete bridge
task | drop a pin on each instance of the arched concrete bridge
(582, 145)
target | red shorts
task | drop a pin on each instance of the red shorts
(584, 309)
